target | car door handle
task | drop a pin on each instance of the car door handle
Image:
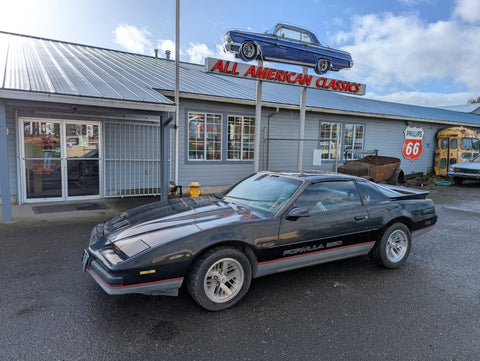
(360, 218)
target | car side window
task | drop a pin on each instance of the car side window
(306, 38)
(370, 194)
(288, 33)
(328, 196)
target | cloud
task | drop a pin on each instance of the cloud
(198, 52)
(467, 10)
(133, 39)
(391, 51)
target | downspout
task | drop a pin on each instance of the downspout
(164, 185)
(4, 174)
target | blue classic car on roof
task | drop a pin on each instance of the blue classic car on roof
(287, 44)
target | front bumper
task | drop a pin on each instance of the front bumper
(463, 175)
(114, 284)
(231, 47)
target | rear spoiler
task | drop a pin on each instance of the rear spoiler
(407, 192)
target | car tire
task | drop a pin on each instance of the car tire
(248, 51)
(393, 248)
(220, 278)
(458, 181)
(393, 180)
(322, 66)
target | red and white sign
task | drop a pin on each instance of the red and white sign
(242, 70)
(412, 146)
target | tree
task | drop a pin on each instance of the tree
(474, 100)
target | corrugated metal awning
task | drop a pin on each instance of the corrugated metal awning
(46, 70)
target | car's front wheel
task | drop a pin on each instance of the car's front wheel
(248, 51)
(220, 278)
(458, 181)
(322, 66)
(392, 250)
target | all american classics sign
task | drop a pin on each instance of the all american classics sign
(242, 70)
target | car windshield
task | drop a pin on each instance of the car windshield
(263, 192)
(271, 31)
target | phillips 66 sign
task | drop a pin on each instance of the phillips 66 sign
(412, 146)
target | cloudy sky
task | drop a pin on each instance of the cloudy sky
(424, 52)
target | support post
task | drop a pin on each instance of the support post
(4, 172)
(303, 103)
(258, 122)
(177, 86)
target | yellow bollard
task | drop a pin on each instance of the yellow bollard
(194, 189)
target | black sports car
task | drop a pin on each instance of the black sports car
(269, 222)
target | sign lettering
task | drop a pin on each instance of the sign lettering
(412, 146)
(241, 70)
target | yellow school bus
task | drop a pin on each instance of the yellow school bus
(454, 145)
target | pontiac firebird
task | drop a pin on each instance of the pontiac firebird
(267, 223)
(287, 44)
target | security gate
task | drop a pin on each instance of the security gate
(132, 160)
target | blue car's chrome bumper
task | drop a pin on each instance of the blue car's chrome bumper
(231, 48)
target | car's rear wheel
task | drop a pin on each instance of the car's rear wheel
(220, 278)
(392, 250)
(248, 51)
(322, 66)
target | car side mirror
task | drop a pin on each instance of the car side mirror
(296, 213)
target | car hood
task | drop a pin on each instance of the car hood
(471, 165)
(175, 218)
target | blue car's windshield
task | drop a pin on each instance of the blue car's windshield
(263, 192)
(271, 31)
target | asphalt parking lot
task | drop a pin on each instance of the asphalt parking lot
(348, 310)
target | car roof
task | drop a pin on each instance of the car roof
(311, 176)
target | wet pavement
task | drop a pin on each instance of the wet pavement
(348, 310)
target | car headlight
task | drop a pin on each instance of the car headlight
(131, 247)
(451, 169)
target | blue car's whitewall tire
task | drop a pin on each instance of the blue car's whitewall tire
(249, 51)
(220, 278)
(322, 66)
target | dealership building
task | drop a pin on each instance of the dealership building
(80, 122)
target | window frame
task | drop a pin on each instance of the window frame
(336, 140)
(243, 136)
(204, 138)
(349, 152)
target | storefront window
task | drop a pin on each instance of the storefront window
(204, 136)
(241, 138)
(353, 140)
(329, 140)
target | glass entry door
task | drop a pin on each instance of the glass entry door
(82, 159)
(42, 159)
(61, 159)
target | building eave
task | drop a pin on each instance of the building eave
(86, 101)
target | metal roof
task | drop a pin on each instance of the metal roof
(31, 67)
(40, 68)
